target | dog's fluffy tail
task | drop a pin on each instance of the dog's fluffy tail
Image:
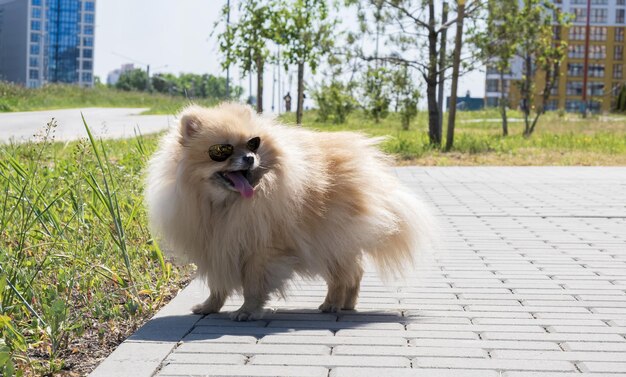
(416, 230)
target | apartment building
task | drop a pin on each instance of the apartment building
(603, 56)
(44, 41)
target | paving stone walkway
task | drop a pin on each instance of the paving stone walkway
(529, 280)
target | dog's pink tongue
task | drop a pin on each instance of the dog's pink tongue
(241, 184)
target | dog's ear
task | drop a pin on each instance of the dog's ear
(189, 123)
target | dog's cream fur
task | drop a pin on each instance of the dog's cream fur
(323, 201)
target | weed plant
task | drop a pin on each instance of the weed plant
(76, 258)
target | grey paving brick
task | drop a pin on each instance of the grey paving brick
(332, 361)
(397, 372)
(555, 374)
(253, 349)
(486, 344)
(556, 355)
(334, 340)
(407, 351)
(602, 367)
(553, 337)
(595, 347)
(494, 364)
(204, 358)
(241, 370)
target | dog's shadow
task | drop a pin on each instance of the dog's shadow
(309, 323)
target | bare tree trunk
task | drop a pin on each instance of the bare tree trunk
(434, 129)
(300, 93)
(527, 93)
(503, 104)
(442, 62)
(456, 64)
(259, 84)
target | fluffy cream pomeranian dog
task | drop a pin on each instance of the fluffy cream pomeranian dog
(252, 202)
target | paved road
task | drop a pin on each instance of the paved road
(103, 122)
(529, 281)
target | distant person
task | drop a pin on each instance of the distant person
(287, 99)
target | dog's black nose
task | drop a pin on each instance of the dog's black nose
(248, 160)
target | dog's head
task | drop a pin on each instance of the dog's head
(226, 149)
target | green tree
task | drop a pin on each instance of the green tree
(136, 79)
(539, 24)
(305, 29)
(415, 38)
(498, 45)
(334, 101)
(376, 92)
(407, 95)
(244, 42)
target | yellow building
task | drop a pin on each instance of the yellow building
(605, 60)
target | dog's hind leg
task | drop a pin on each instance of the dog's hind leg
(344, 282)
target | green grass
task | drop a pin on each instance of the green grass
(558, 140)
(17, 98)
(79, 270)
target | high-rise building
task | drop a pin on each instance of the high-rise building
(47, 41)
(603, 33)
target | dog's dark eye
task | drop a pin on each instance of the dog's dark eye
(253, 144)
(220, 152)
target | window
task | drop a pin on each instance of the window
(86, 77)
(596, 70)
(35, 37)
(577, 33)
(574, 69)
(88, 53)
(615, 88)
(88, 18)
(36, 13)
(599, 16)
(88, 29)
(87, 64)
(89, 6)
(493, 85)
(34, 49)
(576, 51)
(33, 74)
(35, 25)
(33, 62)
(618, 70)
(36, 2)
(554, 91)
(618, 52)
(580, 14)
(574, 88)
(596, 88)
(573, 105)
(597, 33)
(552, 105)
(620, 2)
(619, 34)
(597, 52)
(619, 16)
(88, 41)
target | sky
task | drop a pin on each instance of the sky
(175, 36)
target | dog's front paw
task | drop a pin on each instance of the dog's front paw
(203, 309)
(243, 315)
(328, 307)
